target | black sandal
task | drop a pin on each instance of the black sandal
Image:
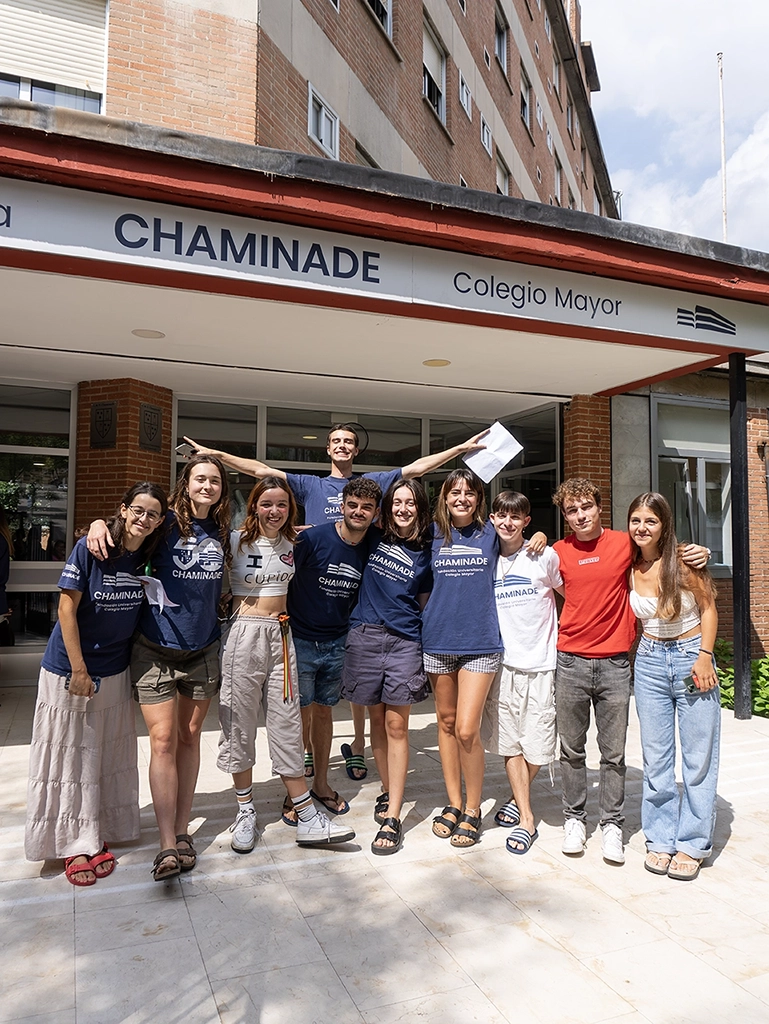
(159, 873)
(394, 837)
(464, 836)
(443, 822)
(187, 858)
(380, 808)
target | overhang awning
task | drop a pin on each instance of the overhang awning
(285, 287)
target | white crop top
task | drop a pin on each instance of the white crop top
(645, 608)
(263, 568)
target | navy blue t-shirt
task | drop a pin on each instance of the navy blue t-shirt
(322, 495)
(327, 576)
(190, 569)
(107, 614)
(395, 574)
(461, 616)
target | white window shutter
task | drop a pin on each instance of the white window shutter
(59, 41)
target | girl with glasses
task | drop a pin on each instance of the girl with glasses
(83, 778)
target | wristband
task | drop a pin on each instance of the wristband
(703, 651)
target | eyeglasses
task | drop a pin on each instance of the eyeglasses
(141, 513)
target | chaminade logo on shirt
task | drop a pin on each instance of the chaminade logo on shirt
(512, 581)
(393, 551)
(343, 569)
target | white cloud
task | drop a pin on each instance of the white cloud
(651, 196)
(658, 111)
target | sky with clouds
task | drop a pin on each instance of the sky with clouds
(658, 111)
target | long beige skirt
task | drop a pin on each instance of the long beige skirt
(83, 786)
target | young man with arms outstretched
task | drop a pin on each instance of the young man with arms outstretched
(321, 498)
(596, 630)
(519, 716)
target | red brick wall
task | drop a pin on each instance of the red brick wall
(758, 428)
(183, 67)
(103, 475)
(587, 443)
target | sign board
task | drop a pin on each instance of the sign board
(72, 222)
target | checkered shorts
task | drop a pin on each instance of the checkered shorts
(445, 664)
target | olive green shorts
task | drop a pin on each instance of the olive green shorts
(159, 673)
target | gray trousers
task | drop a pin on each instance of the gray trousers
(604, 685)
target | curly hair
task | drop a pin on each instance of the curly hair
(251, 529)
(576, 488)
(180, 502)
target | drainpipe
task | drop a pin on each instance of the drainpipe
(738, 430)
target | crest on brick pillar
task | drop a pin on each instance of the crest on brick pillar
(150, 427)
(103, 424)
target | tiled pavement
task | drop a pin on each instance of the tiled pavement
(297, 936)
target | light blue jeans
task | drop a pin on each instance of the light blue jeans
(671, 822)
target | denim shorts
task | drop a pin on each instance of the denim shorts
(320, 670)
(381, 667)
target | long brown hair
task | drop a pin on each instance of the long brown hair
(442, 514)
(180, 502)
(675, 576)
(251, 530)
(421, 530)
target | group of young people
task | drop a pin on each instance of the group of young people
(349, 609)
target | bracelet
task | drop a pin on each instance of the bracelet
(703, 651)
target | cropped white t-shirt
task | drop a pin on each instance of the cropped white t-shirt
(263, 568)
(645, 608)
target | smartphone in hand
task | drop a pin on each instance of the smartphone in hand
(185, 450)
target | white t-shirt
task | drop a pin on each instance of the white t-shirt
(523, 589)
(261, 569)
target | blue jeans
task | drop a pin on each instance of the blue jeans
(672, 823)
(319, 666)
(604, 685)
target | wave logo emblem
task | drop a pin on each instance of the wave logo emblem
(702, 318)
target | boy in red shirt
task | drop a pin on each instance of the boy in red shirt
(595, 632)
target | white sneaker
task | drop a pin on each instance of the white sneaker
(574, 836)
(321, 831)
(243, 831)
(611, 844)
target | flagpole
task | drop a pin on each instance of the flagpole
(720, 58)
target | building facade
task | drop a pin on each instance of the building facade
(494, 95)
(163, 275)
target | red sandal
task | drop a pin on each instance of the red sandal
(71, 869)
(103, 858)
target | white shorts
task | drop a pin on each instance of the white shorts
(519, 715)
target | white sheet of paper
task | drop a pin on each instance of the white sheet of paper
(155, 593)
(500, 448)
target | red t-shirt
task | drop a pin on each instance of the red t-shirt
(596, 620)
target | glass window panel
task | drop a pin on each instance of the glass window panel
(33, 616)
(10, 86)
(229, 428)
(64, 96)
(536, 431)
(704, 428)
(34, 417)
(677, 482)
(539, 489)
(446, 433)
(717, 506)
(299, 435)
(33, 491)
